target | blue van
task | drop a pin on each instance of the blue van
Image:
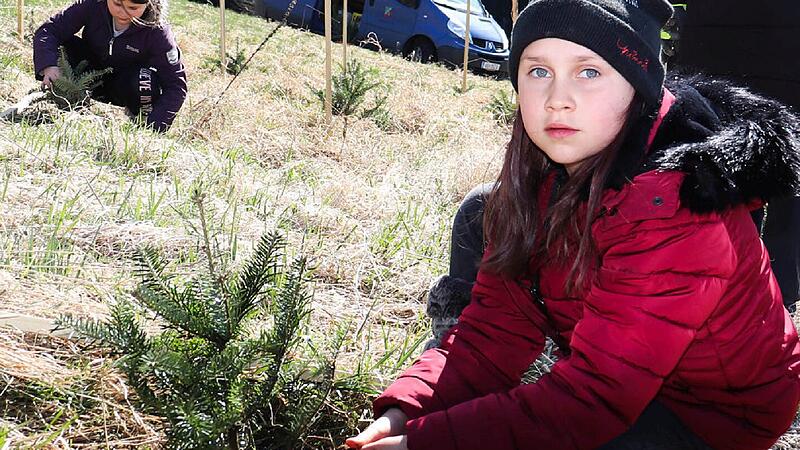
(421, 30)
(305, 13)
(433, 30)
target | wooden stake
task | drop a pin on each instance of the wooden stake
(344, 33)
(222, 54)
(20, 15)
(466, 48)
(514, 15)
(514, 11)
(328, 82)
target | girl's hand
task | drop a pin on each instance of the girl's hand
(50, 74)
(389, 443)
(391, 423)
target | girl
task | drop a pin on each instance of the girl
(130, 36)
(620, 228)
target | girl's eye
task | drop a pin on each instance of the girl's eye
(589, 73)
(539, 72)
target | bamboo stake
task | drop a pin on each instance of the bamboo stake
(222, 53)
(514, 15)
(514, 11)
(20, 15)
(344, 33)
(328, 84)
(466, 48)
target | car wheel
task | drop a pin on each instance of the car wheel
(245, 6)
(260, 8)
(421, 50)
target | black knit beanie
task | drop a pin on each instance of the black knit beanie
(626, 33)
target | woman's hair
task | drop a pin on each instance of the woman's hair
(154, 13)
(520, 232)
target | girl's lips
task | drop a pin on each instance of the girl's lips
(558, 133)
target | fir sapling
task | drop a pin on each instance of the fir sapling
(73, 89)
(230, 366)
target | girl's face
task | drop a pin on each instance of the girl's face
(124, 11)
(573, 103)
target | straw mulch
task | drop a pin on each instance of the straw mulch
(57, 394)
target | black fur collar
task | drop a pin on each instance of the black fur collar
(735, 146)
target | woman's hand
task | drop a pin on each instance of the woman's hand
(389, 428)
(50, 74)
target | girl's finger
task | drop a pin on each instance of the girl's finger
(379, 429)
(388, 443)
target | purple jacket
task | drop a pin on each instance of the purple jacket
(138, 46)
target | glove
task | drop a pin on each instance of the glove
(447, 297)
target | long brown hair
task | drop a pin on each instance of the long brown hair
(514, 221)
(154, 13)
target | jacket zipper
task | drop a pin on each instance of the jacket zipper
(111, 30)
(111, 41)
(536, 292)
(537, 295)
(548, 329)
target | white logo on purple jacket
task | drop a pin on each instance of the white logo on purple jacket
(173, 56)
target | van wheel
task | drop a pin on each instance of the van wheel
(421, 50)
(244, 6)
(260, 9)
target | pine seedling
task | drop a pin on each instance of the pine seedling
(234, 62)
(350, 89)
(230, 367)
(73, 89)
(503, 107)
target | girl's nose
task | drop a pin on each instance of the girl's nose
(559, 97)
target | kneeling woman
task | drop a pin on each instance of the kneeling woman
(620, 227)
(130, 36)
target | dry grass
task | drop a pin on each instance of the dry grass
(265, 147)
(57, 395)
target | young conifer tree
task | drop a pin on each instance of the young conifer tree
(73, 89)
(228, 367)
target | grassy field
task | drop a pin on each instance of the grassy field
(372, 207)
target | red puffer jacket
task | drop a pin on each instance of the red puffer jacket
(683, 307)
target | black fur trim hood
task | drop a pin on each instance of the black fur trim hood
(734, 145)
